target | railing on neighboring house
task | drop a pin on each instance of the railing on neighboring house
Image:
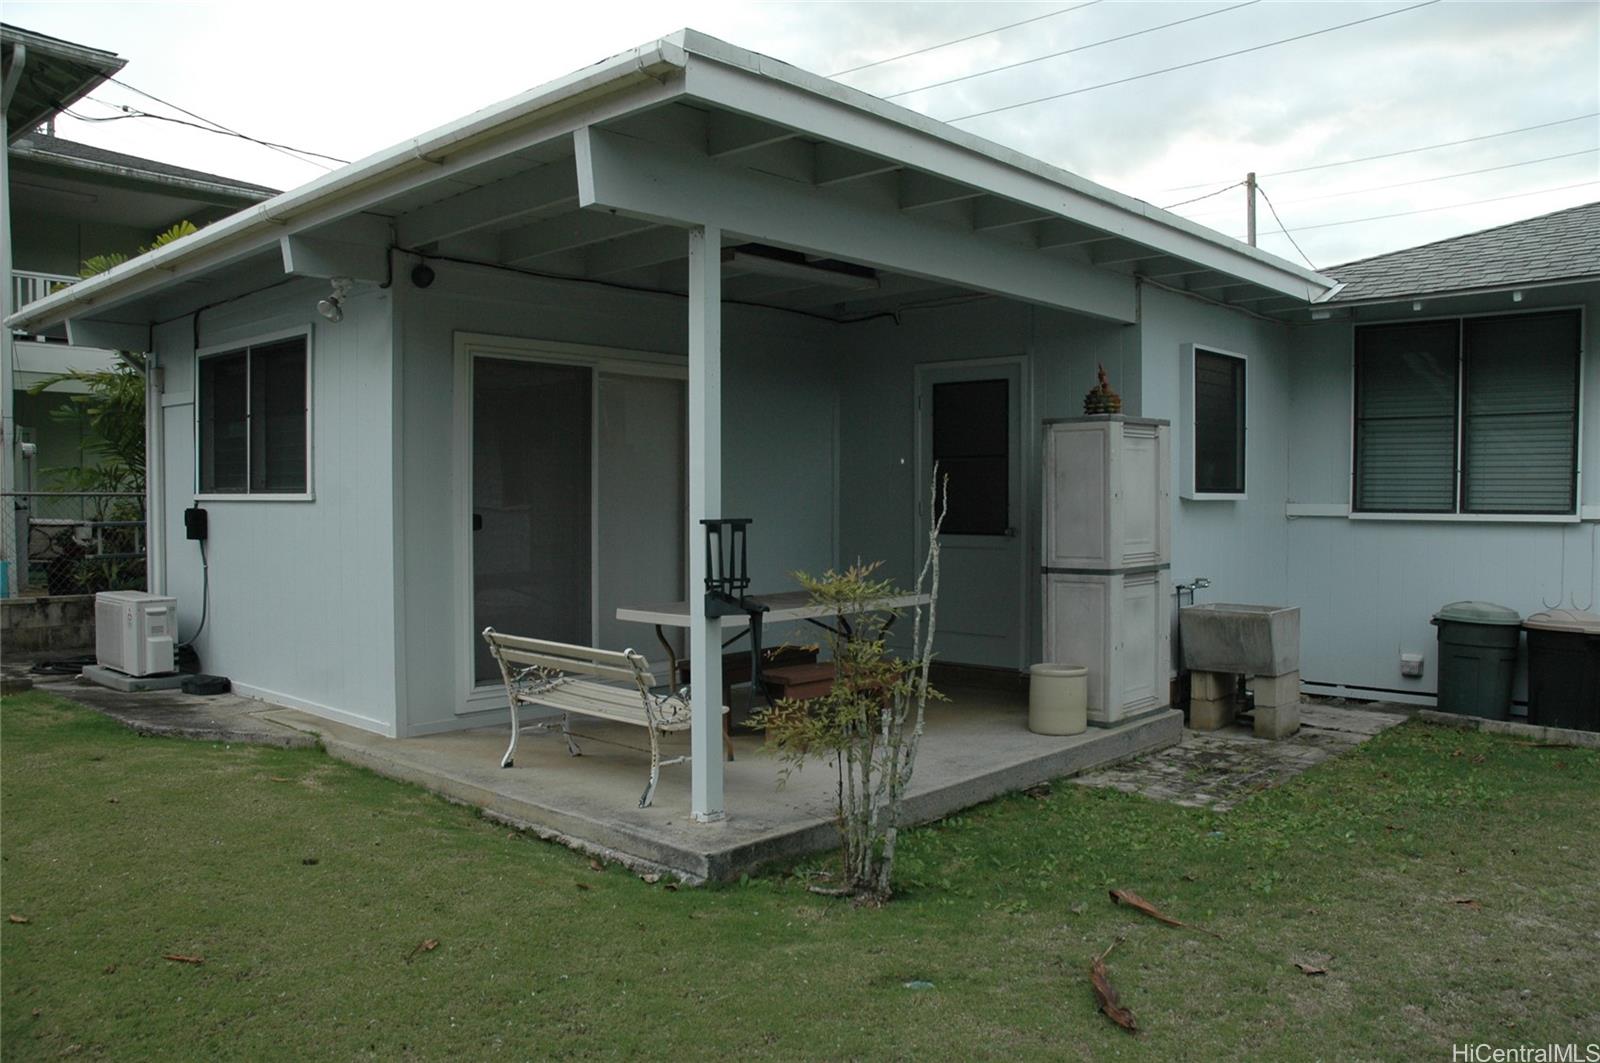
(74, 542)
(28, 286)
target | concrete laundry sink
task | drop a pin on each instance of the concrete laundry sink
(1241, 639)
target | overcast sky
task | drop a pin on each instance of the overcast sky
(351, 78)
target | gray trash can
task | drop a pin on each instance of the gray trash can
(1477, 658)
(1564, 669)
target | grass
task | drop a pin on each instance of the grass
(306, 884)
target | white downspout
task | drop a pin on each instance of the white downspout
(155, 478)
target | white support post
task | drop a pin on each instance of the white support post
(705, 502)
(8, 421)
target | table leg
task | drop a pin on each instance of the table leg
(727, 699)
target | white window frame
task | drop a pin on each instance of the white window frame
(305, 332)
(1188, 452)
(1580, 511)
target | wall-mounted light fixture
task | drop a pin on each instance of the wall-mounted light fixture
(1516, 297)
(332, 307)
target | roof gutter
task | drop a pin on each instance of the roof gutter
(261, 225)
(208, 189)
(1459, 293)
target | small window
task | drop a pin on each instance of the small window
(252, 410)
(1214, 428)
(971, 443)
(1468, 415)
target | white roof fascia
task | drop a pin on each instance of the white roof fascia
(754, 84)
(453, 147)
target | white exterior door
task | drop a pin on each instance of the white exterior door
(969, 422)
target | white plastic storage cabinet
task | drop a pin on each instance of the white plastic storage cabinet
(1119, 626)
(1107, 492)
(1107, 548)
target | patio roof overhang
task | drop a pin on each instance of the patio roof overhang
(827, 201)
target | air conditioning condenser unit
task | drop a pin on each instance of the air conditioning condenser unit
(135, 632)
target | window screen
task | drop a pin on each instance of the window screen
(253, 420)
(1519, 434)
(1218, 423)
(1405, 439)
(971, 443)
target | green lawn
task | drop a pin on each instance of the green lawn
(305, 884)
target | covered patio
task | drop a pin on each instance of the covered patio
(977, 747)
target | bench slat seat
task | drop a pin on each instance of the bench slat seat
(582, 680)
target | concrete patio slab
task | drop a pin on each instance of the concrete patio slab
(975, 747)
(1218, 769)
(210, 718)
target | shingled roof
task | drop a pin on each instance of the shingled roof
(1562, 245)
(70, 153)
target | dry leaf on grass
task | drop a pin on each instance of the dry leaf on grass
(178, 957)
(582, 885)
(423, 946)
(279, 778)
(1466, 902)
(595, 864)
(17, 919)
(1133, 900)
(1038, 793)
(1106, 994)
(1306, 968)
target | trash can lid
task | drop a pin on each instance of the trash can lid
(1564, 620)
(1478, 613)
(1058, 670)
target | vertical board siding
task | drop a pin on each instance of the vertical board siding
(1367, 589)
(779, 443)
(301, 592)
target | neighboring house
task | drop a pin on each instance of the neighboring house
(1446, 412)
(69, 202)
(498, 374)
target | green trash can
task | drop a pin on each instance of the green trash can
(1564, 669)
(1477, 658)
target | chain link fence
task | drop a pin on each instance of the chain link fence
(74, 542)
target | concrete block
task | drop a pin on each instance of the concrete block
(1211, 686)
(1276, 690)
(1210, 715)
(114, 680)
(1277, 721)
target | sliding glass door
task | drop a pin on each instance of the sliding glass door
(578, 500)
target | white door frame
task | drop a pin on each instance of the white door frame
(472, 696)
(1024, 526)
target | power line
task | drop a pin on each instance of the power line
(218, 125)
(1282, 227)
(1428, 210)
(134, 112)
(1405, 151)
(1069, 51)
(1208, 195)
(1193, 63)
(963, 40)
(1420, 180)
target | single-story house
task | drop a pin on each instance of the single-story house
(500, 372)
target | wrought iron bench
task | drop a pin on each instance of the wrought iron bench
(604, 684)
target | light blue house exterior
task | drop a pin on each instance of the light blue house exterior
(693, 282)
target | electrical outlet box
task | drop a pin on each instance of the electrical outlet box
(1411, 665)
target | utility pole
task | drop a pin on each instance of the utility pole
(1250, 207)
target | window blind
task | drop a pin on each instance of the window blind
(1519, 427)
(1406, 378)
(1218, 423)
(278, 417)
